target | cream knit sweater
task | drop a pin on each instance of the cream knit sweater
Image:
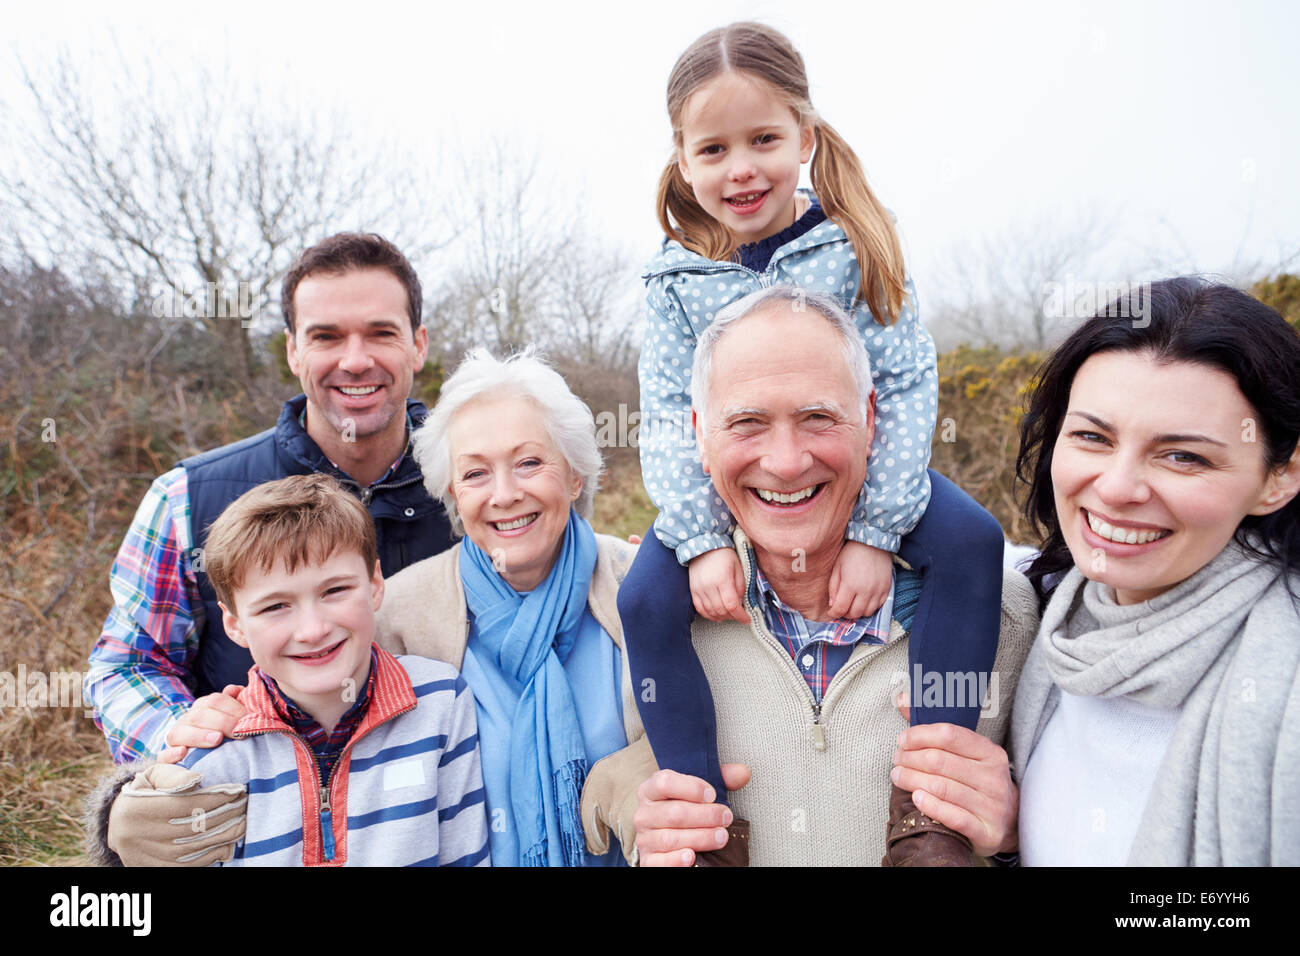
(820, 788)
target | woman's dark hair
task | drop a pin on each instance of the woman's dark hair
(1186, 319)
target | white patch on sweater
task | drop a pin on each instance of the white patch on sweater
(408, 773)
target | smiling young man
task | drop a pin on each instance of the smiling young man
(352, 311)
(354, 348)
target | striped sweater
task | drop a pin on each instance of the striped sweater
(406, 791)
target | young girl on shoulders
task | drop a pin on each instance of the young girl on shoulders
(735, 221)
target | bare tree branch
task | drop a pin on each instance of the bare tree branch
(195, 186)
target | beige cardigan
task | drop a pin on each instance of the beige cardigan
(424, 612)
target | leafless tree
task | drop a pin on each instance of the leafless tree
(526, 269)
(1000, 292)
(194, 184)
(599, 299)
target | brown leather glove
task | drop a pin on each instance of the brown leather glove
(609, 798)
(914, 839)
(165, 817)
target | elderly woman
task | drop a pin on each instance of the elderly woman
(525, 605)
(1156, 720)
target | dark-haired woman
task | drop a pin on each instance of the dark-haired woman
(1157, 720)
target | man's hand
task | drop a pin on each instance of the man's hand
(208, 720)
(717, 583)
(963, 780)
(166, 817)
(860, 580)
(677, 816)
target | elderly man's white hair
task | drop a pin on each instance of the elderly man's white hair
(569, 421)
(799, 300)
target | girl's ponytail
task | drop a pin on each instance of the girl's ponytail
(683, 219)
(842, 189)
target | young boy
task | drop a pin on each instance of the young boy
(348, 755)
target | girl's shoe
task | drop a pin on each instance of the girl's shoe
(913, 839)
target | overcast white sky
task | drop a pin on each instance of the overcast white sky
(1176, 119)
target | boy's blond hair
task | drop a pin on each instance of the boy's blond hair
(303, 519)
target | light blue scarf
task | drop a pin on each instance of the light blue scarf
(529, 638)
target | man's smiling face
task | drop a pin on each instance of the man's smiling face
(785, 437)
(354, 352)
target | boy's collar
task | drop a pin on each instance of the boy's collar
(391, 694)
(295, 716)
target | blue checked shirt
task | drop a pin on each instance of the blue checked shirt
(820, 649)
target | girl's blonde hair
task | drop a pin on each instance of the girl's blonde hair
(766, 56)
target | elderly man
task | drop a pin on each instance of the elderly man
(352, 312)
(783, 402)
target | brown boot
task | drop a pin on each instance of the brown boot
(734, 853)
(913, 839)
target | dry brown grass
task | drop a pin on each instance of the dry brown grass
(80, 439)
(622, 507)
(63, 521)
(49, 761)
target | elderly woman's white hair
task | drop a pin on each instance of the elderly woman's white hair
(799, 300)
(569, 421)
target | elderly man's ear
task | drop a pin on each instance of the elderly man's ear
(871, 419)
(699, 441)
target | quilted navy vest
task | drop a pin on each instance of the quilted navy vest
(409, 525)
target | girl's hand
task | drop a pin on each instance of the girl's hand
(717, 584)
(861, 579)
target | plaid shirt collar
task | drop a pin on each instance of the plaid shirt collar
(792, 629)
(325, 747)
